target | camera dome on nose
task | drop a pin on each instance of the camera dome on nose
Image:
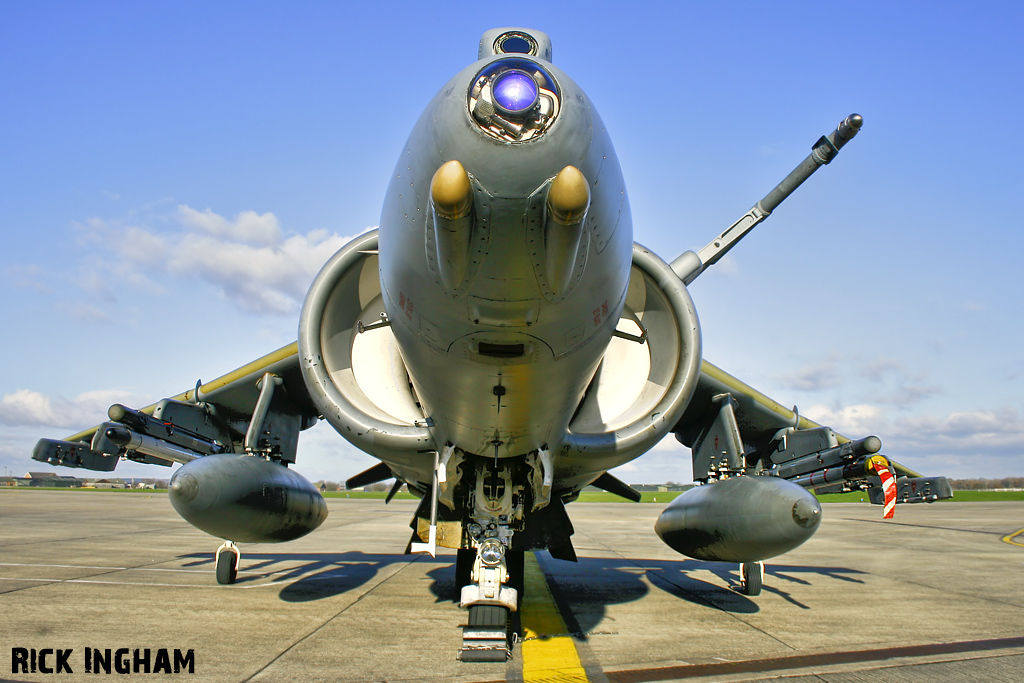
(515, 92)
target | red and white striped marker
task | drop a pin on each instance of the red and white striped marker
(881, 466)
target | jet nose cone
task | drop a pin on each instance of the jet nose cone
(807, 513)
(184, 487)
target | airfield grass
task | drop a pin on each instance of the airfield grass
(660, 497)
(958, 496)
(669, 496)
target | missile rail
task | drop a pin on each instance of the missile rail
(176, 432)
(846, 467)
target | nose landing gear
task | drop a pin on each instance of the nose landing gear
(490, 601)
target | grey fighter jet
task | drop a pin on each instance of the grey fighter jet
(500, 343)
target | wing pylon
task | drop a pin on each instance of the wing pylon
(259, 408)
(733, 428)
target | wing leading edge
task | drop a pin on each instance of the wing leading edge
(732, 427)
(259, 407)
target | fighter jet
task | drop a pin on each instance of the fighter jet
(499, 343)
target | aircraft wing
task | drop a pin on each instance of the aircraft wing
(260, 407)
(731, 426)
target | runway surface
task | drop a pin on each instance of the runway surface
(935, 594)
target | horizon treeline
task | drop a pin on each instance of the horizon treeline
(981, 484)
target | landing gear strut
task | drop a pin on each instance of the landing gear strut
(227, 557)
(490, 601)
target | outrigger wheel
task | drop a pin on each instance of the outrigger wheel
(227, 556)
(751, 577)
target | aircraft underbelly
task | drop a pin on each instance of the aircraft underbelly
(504, 406)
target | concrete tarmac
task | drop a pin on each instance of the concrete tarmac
(935, 594)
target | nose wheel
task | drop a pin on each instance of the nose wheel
(490, 601)
(485, 637)
(227, 558)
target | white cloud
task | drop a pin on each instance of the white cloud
(853, 421)
(669, 460)
(248, 258)
(821, 375)
(325, 454)
(84, 312)
(247, 227)
(27, 408)
(268, 278)
(880, 380)
(728, 267)
(140, 246)
(994, 431)
(96, 281)
(30, 277)
(986, 443)
(878, 368)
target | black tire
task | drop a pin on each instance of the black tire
(515, 563)
(488, 616)
(464, 569)
(751, 579)
(226, 570)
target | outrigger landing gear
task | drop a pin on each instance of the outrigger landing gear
(486, 637)
(227, 557)
(751, 577)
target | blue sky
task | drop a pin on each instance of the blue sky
(173, 175)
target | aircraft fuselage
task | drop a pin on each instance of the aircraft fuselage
(501, 353)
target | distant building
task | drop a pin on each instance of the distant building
(656, 488)
(41, 475)
(661, 488)
(52, 479)
(106, 484)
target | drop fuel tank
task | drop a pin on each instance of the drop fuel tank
(740, 519)
(246, 499)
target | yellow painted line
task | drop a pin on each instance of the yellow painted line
(549, 656)
(1015, 534)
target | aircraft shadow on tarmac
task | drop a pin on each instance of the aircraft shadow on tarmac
(583, 589)
(305, 577)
